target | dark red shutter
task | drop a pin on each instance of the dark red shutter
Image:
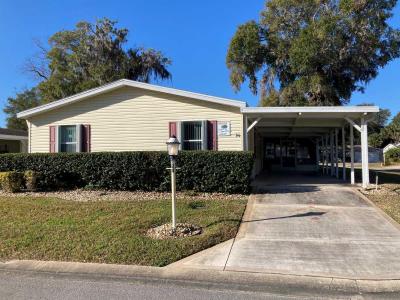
(172, 129)
(52, 139)
(212, 135)
(86, 138)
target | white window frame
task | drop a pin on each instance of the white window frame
(77, 142)
(203, 138)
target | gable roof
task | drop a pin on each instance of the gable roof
(126, 83)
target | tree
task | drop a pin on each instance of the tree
(86, 57)
(313, 52)
(92, 55)
(392, 131)
(379, 121)
(375, 140)
(29, 98)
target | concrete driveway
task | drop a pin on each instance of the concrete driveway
(313, 228)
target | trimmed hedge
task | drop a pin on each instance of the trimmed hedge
(12, 181)
(203, 171)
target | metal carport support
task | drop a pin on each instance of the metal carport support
(363, 129)
(314, 122)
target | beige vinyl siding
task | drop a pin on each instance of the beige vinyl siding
(132, 119)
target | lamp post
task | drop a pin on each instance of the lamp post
(173, 150)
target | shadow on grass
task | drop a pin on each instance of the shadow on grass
(391, 176)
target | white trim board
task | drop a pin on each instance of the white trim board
(130, 83)
(311, 109)
(13, 137)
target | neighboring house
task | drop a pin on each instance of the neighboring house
(390, 146)
(13, 140)
(132, 116)
(375, 155)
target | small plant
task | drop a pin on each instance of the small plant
(12, 181)
(2, 175)
(197, 204)
(31, 180)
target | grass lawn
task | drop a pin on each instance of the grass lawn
(110, 231)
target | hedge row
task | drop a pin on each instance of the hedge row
(203, 171)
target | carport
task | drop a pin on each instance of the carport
(307, 138)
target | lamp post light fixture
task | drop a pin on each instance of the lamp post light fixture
(173, 151)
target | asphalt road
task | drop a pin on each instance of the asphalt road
(29, 285)
(38, 285)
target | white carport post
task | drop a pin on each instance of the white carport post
(317, 154)
(246, 134)
(363, 129)
(352, 178)
(331, 152)
(326, 154)
(343, 153)
(248, 128)
(364, 153)
(336, 154)
(323, 154)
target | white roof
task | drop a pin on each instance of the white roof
(310, 109)
(390, 146)
(304, 120)
(123, 83)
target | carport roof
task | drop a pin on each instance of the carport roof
(304, 121)
(330, 111)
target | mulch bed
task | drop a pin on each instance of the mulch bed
(82, 195)
(181, 230)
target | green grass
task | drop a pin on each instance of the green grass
(110, 231)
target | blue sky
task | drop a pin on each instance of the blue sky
(194, 34)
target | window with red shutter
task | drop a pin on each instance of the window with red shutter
(212, 135)
(172, 129)
(86, 138)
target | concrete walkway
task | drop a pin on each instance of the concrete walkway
(312, 227)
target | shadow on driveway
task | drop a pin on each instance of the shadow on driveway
(308, 214)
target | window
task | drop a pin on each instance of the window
(192, 135)
(68, 139)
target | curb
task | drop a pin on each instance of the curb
(232, 280)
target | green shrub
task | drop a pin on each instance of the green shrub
(203, 171)
(12, 181)
(31, 180)
(2, 175)
(393, 155)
